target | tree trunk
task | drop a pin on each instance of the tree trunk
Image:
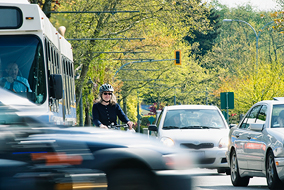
(124, 105)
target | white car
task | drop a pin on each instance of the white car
(202, 129)
(256, 145)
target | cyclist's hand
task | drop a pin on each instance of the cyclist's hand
(103, 126)
(130, 124)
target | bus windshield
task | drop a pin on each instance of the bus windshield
(22, 68)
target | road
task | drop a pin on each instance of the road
(204, 179)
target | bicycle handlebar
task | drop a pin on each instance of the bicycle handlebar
(117, 126)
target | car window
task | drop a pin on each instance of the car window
(193, 119)
(251, 117)
(262, 115)
(277, 118)
(172, 119)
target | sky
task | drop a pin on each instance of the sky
(263, 5)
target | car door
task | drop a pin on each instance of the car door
(240, 136)
(255, 147)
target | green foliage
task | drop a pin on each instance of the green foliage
(132, 107)
(233, 57)
(161, 23)
(202, 41)
(226, 55)
(263, 83)
(145, 120)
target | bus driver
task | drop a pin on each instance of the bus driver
(14, 82)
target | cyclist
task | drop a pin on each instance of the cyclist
(106, 110)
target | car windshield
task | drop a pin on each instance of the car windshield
(193, 119)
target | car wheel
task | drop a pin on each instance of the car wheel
(236, 179)
(131, 179)
(272, 178)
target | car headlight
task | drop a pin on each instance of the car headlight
(168, 141)
(224, 142)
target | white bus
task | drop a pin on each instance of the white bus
(36, 62)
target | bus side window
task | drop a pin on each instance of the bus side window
(1, 71)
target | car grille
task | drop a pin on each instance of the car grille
(197, 146)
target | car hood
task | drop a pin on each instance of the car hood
(104, 137)
(196, 136)
(16, 109)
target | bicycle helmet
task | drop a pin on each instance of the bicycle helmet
(106, 87)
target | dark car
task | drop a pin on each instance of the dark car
(128, 160)
(26, 163)
(54, 157)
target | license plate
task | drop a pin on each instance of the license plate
(199, 154)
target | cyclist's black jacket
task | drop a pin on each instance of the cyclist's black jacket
(107, 114)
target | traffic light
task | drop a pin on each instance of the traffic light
(177, 57)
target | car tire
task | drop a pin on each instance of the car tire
(236, 179)
(273, 181)
(130, 179)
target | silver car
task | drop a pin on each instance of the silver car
(200, 129)
(256, 145)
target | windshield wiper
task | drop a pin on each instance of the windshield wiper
(191, 127)
(208, 127)
(170, 127)
(198, 127)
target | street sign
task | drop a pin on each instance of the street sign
(227, 100)
(151, 119)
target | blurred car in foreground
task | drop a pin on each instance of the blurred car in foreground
(256, 147)
(126, 160)
(53, 157)
(26, 163)
(200, 129)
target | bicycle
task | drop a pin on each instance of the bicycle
(118, 127)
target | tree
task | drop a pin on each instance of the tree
(203, 41)
(249, 88)
(47, 5)
(155, 21)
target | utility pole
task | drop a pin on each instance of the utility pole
(138, 114)
(81, 110)
(175, 102)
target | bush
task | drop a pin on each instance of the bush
(144, 122)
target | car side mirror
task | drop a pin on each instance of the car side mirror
(256, 126)
(152, 128)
